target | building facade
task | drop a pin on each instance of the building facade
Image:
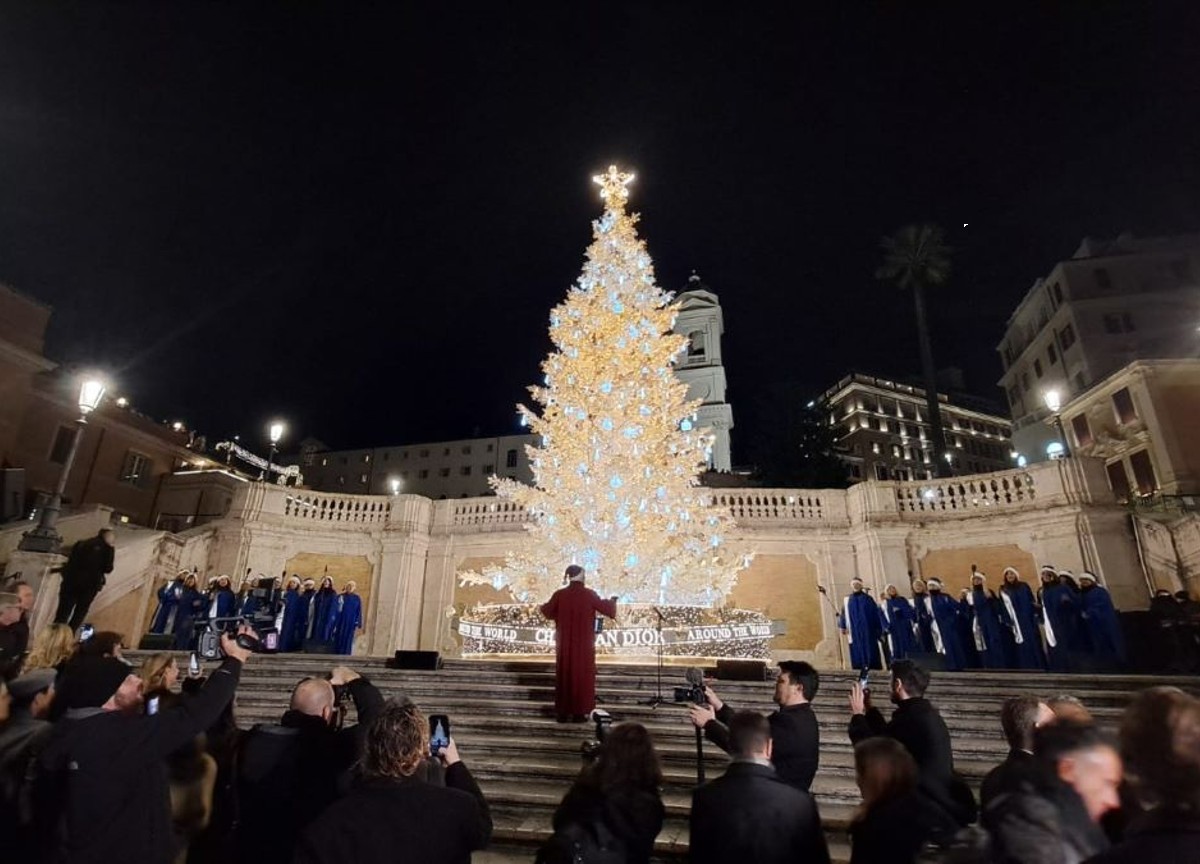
(1108, 305)
(1142, 422)
(882, 431)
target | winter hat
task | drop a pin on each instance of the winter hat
(1049, 568)
(30, 684)
(1012, 570)
(1088, 576)
(934, 583)
(89, 682)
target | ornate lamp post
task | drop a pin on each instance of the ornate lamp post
(394, 482)
(1054, 403)
(45, 537)
(276, 432)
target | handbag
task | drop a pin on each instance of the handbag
(577, 843)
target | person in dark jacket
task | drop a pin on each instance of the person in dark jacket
(620, 791)
(1059, 604)
(895, 820)
(917, 725)
(289, 773)
(1053, 816)
(1160, 742)
(13, 637)
(750, 813)
(1020, 717)
(83, 576)
(189, 610)
(102, 790)
(795, 736)
(394, 815)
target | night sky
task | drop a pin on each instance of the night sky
(358, 219)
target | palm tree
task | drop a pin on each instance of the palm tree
(916, 257)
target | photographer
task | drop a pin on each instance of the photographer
(287, 774)
(794, 733)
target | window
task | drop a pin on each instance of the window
(362, 478)
(510, 459)
(466, 450)
(1143, 472)
(1037, 368)
(1066, 337)
(341, 479)
(1118, 481)
(443, 472)
(423, 474)
(875, 448)
(1014, 397)
(1025, 381)
(881, 471)
(696, 344)
(489, 469)
(403, 454)
(1103, 279)
(490, 447)
(1123, 406)
(465, 470)
(366, 457)
(62, 444)
(895, 451)
(344, 460)
(1056, 295)
(445, 451)
(387, 456)
(424, 454)
(324, 462)
(1051, 353)
(1083, 432)
(136, 469)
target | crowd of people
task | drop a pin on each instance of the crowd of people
(305, 617)
(1067, 624)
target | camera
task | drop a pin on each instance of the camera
(208, 644)
(694, 694)
(591, 749)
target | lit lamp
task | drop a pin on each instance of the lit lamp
(45, 537)
(395, 484)
(275, 432)
(1054, 403)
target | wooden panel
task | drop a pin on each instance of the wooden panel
(953, 566)
(783, 587)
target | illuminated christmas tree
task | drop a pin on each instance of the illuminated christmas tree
(616, 475)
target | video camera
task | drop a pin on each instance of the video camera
(695, 691)
(208, 644)
(591, 749)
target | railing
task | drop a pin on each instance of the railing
(333, 508)
(481, 512)
(783, 505)
(967, 495)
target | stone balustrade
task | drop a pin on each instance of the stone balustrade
(331, 508)
(783, 506)
(1013, 490)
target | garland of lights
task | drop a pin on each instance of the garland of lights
(284, 471)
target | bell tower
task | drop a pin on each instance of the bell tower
(700, 319)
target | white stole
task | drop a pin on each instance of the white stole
(1012, 616)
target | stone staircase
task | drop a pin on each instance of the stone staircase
(502, 719)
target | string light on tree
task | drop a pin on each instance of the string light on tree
(616, 476)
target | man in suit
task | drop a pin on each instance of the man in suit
(83, 576)
(750, 813)
(795, 736)
(917, 725)
(1020, 717)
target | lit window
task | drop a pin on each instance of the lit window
(1143, 472)
(1123, 406)
(1081, 430)
(136, 469)
(362, 478)
(875, 448)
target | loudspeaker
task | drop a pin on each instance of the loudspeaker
(930, 661)
(427, 660)
(157, 642)
(741, 670)
(318, 646)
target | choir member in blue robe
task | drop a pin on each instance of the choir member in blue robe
(966, 630)
(1060, 620)
(324, 611)
(222, 602)
(247, 603)
(945, 626)
(168, 605)
(349, 619)
(986, 625)
(308, 592)
(924, 613)
(293, 618)
(1102, 635)
(902, 623)
(861, 622)
(190, 609)
(1021, 607)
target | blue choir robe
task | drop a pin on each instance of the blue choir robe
(168, 607)
(303, 621)
(249, 605)
(324, 614)
(1019, 603)
(965, 625)
(945, 630)
(293, 622)
(349, 619)
(860, 619)
(924, 613)
(1101, 631)
(190, 609)
(986, 630)
(902, 626)
(1060, 618)
(222, 604)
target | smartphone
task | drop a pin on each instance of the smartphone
(193, 666)
(864, 678)
(152, 706)
(439, 733)
(86, 632)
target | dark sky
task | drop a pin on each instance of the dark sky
(358, 218)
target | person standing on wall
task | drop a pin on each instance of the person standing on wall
(83, 576)
(573, 608)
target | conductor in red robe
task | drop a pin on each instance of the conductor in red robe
(573, 608)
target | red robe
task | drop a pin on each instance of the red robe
(573, 608)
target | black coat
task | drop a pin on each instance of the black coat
(288, 774)
(90, 560)
(635, 816)
(102, 788)
(1157, 838)
(920, 728)
(750, 815)
(795, 741)
(1008, 776)
(1042, 821)
(895, 830)
(387, 821)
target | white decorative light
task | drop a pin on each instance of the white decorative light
(90, 394)
(1053, 400)
(276, 431)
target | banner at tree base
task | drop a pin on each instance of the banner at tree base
(681, 631)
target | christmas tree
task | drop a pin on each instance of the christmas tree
(616, 473)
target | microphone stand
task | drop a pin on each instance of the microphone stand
(657, 699)
(833, 608)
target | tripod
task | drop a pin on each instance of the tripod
(657, 699)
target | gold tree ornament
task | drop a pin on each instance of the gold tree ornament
(616, 474)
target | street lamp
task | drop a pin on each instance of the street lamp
(1053, 402)
(276, 432)
(45, 537)
(395, 484)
